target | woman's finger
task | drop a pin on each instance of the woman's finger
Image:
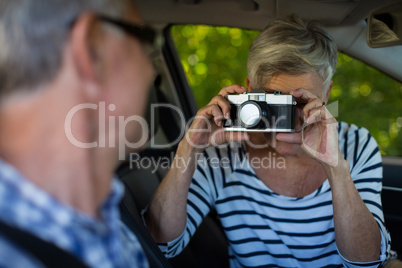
(223, 104)
(303, 94)
(216, 113)
(233, 89)
(313, 104)
(316, 115)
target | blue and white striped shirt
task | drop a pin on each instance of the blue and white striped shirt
(271, 230)
(98, 243)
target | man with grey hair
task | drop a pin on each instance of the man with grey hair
(60, 62)
(311, 198)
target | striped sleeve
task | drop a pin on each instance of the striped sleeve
(203, 191)
(361, 151)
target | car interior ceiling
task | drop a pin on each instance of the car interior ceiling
(344, 19)
(208, 247)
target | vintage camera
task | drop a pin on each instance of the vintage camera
(260, 112)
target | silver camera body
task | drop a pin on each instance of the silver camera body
(258, 111)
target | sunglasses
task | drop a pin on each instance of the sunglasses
(147, 35)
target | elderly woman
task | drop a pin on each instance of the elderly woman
(310, 198)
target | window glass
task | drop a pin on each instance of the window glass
(214, 57)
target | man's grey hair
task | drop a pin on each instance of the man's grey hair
(33, 34)
(293, 47)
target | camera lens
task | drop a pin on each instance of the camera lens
(250, 114)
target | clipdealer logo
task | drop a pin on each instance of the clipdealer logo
(108, 131)
(107, 128)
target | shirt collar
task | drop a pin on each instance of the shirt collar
(62, 213)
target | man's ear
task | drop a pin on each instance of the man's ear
(328, 91)
(83, 49)
(249, 85)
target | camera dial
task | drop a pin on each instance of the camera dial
(250, 114)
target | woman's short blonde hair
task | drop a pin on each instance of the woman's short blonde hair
(293, 47)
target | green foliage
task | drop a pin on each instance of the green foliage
(370, 99)
(214, 57)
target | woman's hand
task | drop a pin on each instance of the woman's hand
(319, 132)
(207, 127)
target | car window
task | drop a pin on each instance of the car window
(213, 57)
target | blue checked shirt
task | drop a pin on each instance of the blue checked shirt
(98, 243)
